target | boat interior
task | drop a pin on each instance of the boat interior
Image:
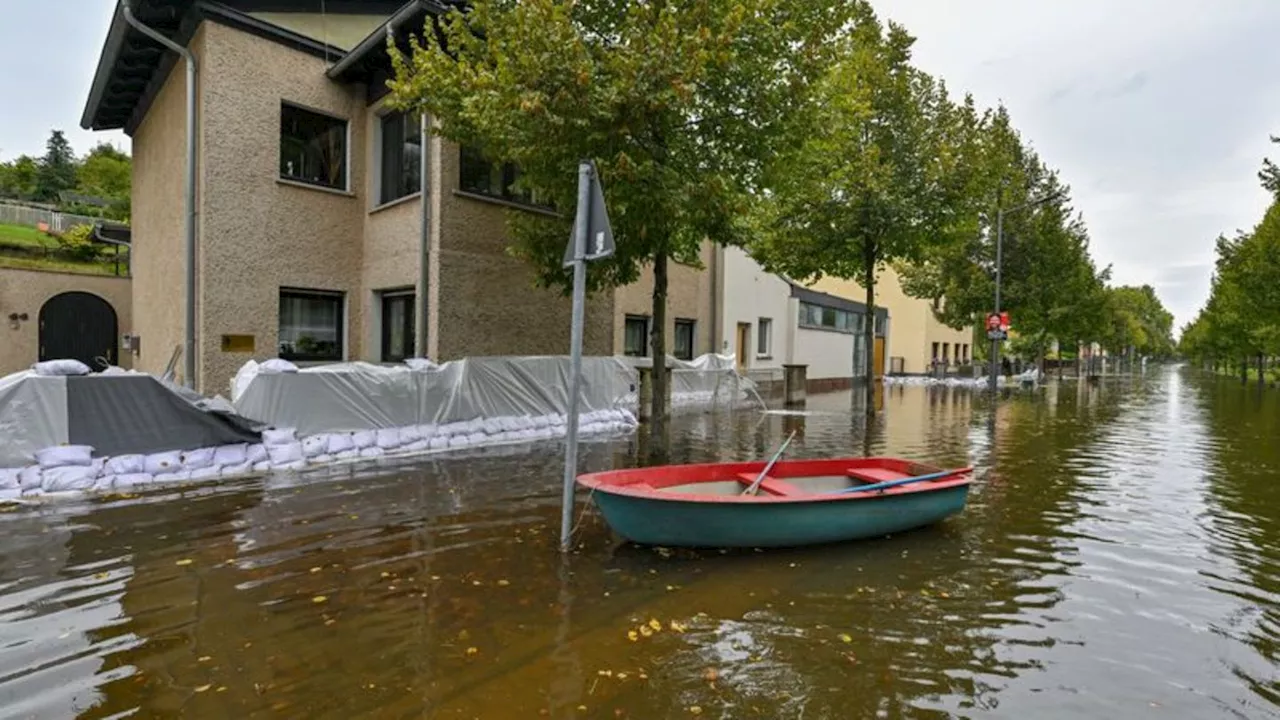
(791, 486)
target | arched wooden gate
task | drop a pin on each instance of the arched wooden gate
(80, 326)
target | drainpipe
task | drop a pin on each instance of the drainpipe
(189, 349)
(424, 242)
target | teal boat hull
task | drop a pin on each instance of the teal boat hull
(677, 523)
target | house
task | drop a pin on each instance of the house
(767, 322)
(311, 239)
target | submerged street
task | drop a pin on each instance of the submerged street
(1117, 559)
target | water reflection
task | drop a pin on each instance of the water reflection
(1118, 558)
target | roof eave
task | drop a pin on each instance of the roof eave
(106, 62)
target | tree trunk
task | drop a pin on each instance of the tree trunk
(1244, 371)
(1262, 375)
(658, 343)
(869, 327)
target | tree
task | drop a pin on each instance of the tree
(18, 178)
(879, 173)
(106, 173)
(1270, 174)
(679, 103)
(57, 168)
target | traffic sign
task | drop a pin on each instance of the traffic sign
(599, 240)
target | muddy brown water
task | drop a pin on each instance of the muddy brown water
(1118, 559)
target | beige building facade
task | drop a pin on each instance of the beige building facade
(54, 315)
(310, 210)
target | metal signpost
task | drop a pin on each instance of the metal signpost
(592, 239)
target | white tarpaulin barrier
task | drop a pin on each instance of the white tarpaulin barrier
(709, 379)
(361, 396)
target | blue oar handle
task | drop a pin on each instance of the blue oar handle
(895, 483)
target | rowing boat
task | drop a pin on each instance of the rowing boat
(796, 502)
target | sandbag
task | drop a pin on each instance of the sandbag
(212, 472)
(230, 471)
(256, 453)
(10, 495)
(321, 459)
(127, 480)
(418, 446)
(439, 442)
(372, 452)
(159, 463)
(451, 429)
(389, 438)
(237, 454)
(410, 434)
(197, 459)
(477, 438)
(279, 436)
(29, 478)
(284, 454)
(62, 367)
(339, 443)
(289, 466)
(68, 478)
(428, 431)
(126, 464)
(64, 455)
(459, 441)
(176, 476)
(9, 478)
(351, 454)
(262, 466)
(315, 445)
(363, 439)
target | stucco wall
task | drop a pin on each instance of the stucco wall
(26, 291)
(488, 304)
(688, 298)
(828, 353)
(751, 293)
(158, 252)
(259, 233)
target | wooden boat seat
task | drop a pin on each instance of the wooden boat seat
(874, 475)
(770, 484)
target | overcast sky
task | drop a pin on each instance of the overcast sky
(1157, 112)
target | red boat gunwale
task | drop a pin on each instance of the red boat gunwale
(650, 482)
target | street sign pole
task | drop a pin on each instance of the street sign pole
(592, 239)
(581, 223)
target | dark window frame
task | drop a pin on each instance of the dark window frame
(471, 161)
(824, 317)
(646, 342)
(764, 337)
(301, 152)
(399, 167)
(340, 327)
(409, 327)
(692, 327)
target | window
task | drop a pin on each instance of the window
(401, 156)
(684, 340)
(313, 148)
(935, 352)
(636, 336)
(397, 325)
(966, 352)
(310, 325)
(818, 316)
(764, 336)
(946, 353)
(484, 177)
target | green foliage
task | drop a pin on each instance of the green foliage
(77, 243)
(106, 173)
(1270, 174)
(679, 104)
(57, 168)
(18, 178)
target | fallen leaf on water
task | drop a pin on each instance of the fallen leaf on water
(504, 583)
(653, 623)
(678, 627)
(632, 635)
(319, 599)
(605, 673)
(202, 688)
(184, 561)
(844, 637)
(330, 621)
(695, 710)
(710, 674)
(646, 631)
(315, 569)
(101, 576)
(203, 658)
(221, 688)
(472, 651)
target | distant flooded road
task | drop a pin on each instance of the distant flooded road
(1118, 559)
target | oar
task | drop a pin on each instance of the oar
(896, 483)
(755, 485)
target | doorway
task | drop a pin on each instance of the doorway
(78, 326)
(740, 350)
(879, 359)
(398, 325)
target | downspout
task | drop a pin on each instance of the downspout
(189, 349)
(424, 241)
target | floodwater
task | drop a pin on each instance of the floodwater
(1118, 559)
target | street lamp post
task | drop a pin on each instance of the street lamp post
(994, 375)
